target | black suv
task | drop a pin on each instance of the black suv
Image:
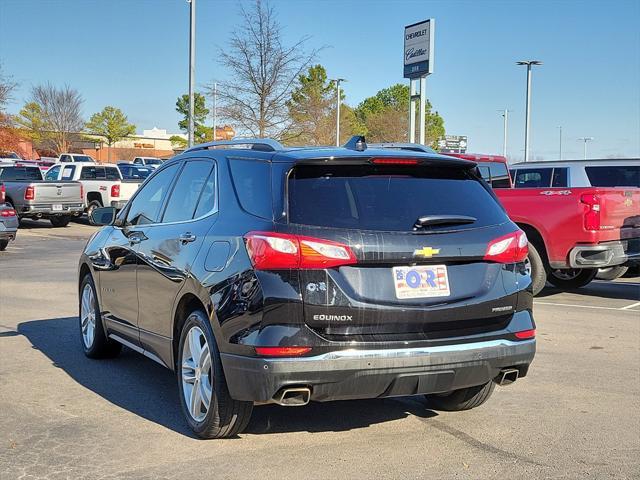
(264, 274)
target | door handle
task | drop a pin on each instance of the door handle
(187, 237)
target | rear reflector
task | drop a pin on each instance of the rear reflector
(395, 161)
(280, 251)
(8, 213)
(282, 351)
(510, 248)
(29, 193)
(524, 334)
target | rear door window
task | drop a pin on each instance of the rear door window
(387, 198)
(559, 178)
(614, 176)
(533, 177)
(111, 173)
(68, 171)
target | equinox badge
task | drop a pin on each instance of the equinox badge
(426, 252)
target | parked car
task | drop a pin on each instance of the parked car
(273, 275)
(134, 172)
(75, 157)
(151, 162)
(103, 185)
(8, 221)
(32, 197)
(9, 157)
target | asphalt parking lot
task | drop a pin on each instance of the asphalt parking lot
(577, 414)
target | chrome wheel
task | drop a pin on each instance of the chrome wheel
(197, 377)
(88, 316)
(527, 266)
(566, 274)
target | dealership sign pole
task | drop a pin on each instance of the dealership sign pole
(418, 63)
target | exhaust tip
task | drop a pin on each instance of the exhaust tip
(507, 376)
(293, 397)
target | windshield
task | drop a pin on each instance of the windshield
(387, 198)
(82, 158)
(153, 161)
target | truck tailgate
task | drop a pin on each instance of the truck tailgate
(57, 192)
(128, 188)
(620, 211)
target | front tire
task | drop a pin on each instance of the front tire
(462, 399)
(206, 403)
(571, 278)
(95, 342)
(61, 221)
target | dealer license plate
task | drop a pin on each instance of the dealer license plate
(421, 281)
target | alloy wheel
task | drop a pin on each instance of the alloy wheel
(88, 316)
(197, 376)
(566, 274)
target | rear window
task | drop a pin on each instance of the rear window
(387, 198)
(20, 173)
(495, 173)
(83, 158)
(614, 176)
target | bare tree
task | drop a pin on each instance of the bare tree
(6, 88)
(263, 72)
(61, 110)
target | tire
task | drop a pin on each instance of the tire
(95, 344)
(224, 417)
(462, 399)
(61, 221)
(611, 273)
(571, 278)
(91, 207)
(536, 269)
(3, 245)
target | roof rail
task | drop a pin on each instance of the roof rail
(416, 147)
(357, 143)
(262, 144)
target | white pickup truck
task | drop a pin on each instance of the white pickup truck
(103, 185)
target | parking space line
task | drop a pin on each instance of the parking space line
(628, 307)
(586, 306)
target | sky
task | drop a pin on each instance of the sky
(133, 54)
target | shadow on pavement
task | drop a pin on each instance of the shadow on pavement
(602, 289)
(139, 385)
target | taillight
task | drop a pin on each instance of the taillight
(279, 251)
(2, 193)
(115, 190)
(524, 334)
(510, 248)
(592, 211)
(30, 193)
(10, 212)
(395, 161)
(81, 192)
(282, 351)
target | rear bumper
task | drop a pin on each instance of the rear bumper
(7, 234)
(35, 210)
(606, 254)
(350, 374)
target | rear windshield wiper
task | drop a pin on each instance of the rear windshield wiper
(430, 220)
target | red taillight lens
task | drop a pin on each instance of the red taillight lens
(81, 192)
(395, 161)
(592, 211)
(524, 334)
(8, 213)
(282, 351)
(115, 190)
(30, 193)
(2, 194)
(279, 251)
(510, 248)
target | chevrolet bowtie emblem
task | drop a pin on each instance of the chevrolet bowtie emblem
(426, 252)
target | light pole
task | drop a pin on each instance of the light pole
(215, 110)
(192, 67)
(529, 64)
(560, 128)
(338, 81)
(585, 140)
(505, 115)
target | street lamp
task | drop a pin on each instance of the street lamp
(585, 140)
(505, 115)
(529, 64)
(560, 128)
(192, 67)
(338, 80)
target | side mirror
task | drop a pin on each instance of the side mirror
(103, 216)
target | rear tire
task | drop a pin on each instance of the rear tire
(3, 245)
(536, 270)
(571, 278)
(611, 273)
(61, 221)
(93, 338)
(462, 399)
(199, 370)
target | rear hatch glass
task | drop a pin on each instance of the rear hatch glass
(374, 210)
